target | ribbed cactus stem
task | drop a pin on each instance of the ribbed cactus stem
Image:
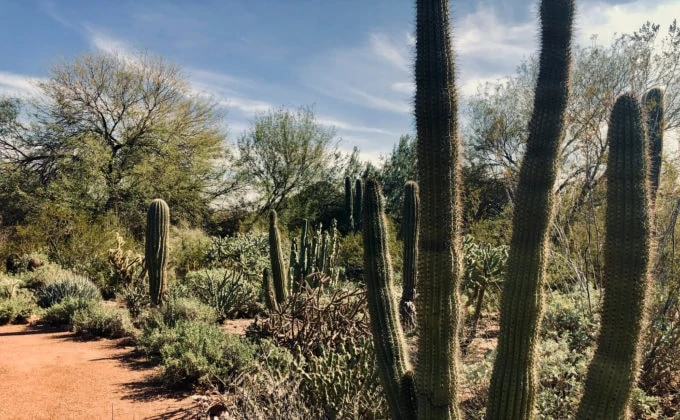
(612, 373)
(513, 383)
(276, 257)
(268, 287)
(653, 104)
(410, 226)
(349, 207)
(390, 347)
(156, 248)
(439, 259)
(358, 194)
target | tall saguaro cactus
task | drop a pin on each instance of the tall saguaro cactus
(612, 372)
(276, 258)
(439, 261)
(156, 248)
(349, 206)
(513, 382)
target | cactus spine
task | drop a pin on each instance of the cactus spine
(439, 260)
(410, 226)
(612, 373)
(513, 384)
(156, 248)
(276, 257)
(358, 195)
(390, 348)
(653, 104)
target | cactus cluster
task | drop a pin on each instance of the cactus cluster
(513, 385)
(316, 253)
(156, 248)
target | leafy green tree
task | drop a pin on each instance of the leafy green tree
(499, 112)
(110, 133)
(286, 152)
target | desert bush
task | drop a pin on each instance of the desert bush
(568, 318)
(102, 321)
(61, 314)
(230, 293)
(351, 256)
(71, 286)
(197, 353)
(247, 253)
(189, 249)
(16, 307)
(44, 275)
(311, 320)
(136, 297)
(343, 382)
(177, 309)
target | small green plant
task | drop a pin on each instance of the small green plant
(61, 314)
(17, 307)
(230, 293)
(72, 286)
(102, 321)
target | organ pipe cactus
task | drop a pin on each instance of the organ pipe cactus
(612, 373)
(156, 248)
(410, 226)
(439, 259)
(513, 383)
(391, 353)
(358, 195)
(276, 257)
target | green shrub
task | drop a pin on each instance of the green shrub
(17, 307)
(196, 352)
(102, 321)
(567, 317)
(44, 275)
(71, 286)
(189, 248)
(247, 253)
(9, 285)
(344, 382)
(61, 314)
(230, 293)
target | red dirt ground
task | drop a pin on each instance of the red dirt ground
(49, 375)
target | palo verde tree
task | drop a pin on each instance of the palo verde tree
(284, 152)
(109, 133)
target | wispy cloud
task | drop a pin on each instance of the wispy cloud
(365, 75)
(606, 20)
(12, 84)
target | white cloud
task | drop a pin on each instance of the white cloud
(345, 126)
(606, 20)
(18, 84)
(404, 87)
(390, 52)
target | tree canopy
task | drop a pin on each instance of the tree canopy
(110, 133)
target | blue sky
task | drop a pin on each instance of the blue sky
(350, 59)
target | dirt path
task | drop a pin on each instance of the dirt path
(49, 375)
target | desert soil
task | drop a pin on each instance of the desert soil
(46, 374)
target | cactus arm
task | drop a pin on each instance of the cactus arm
(156, 248)
(653, 104)
(358, 194)
(513, 383)
(612, 372)
(387, 333)
(410, 226)
(439, 175)
(276, 257)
